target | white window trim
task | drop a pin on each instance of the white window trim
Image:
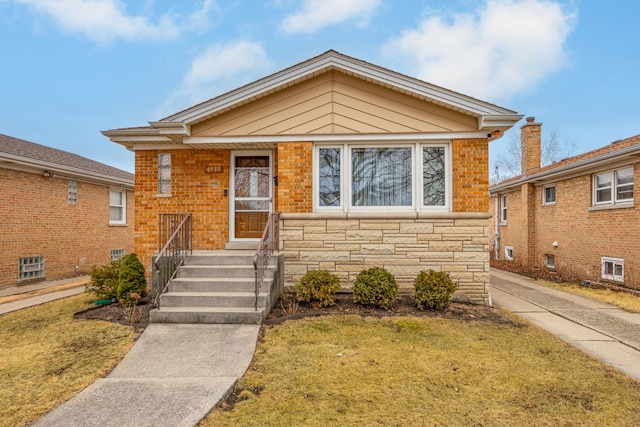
(416, 184)
(613, 277)
(503, 209)
(550, 265)
(544, 195)
(117, 254)
(507, 250)
(614, 186)
(123, 218)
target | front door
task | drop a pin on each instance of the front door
(251, 203)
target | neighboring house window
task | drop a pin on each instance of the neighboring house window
(73, 192)
(613, 269)
(550, 262)
(116, 254)
(164, 173)
(613, 187)
(31, 267)
(508, 253)
(549, 195)
(117, 207)
(352, 177)
(503, 209)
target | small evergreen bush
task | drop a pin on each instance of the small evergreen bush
(318, 286)
(104, 280)
(375, 286)
(433, 289)
(131, 280)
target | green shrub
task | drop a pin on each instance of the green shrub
(375, 286)
(104, 280)
(131, 280)
(318, 286)
(433, 289)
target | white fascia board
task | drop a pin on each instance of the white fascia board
(195, 140)
(37, 166)
(172, 128)
(331, 61)
(143, 147)
(571, 170)
(498, 122)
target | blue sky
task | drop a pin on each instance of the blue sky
(71, 68)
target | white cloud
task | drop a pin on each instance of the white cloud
(218, 69)
(316, 14)
(107, 20)
(502, 49)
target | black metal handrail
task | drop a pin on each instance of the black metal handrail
(173, 252)
(269, 243)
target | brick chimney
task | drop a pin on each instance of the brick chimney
(530, 140)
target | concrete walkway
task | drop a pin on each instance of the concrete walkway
(8, 307)
(173, 376)
(601, 330)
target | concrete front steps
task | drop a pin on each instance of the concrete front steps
(219, 287)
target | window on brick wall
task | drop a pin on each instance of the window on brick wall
(612, 269)
(117, 254)
(613, 187)
(503, 209)
(73, 192)
(550, 261)
(549, 195)
(31, 268)
(354, 177)
(164, 173)
(508, 253)
(117, 207)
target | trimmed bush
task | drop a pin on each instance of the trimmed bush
(318, 286)
(375, 286)
(104, 280)
(433, 289)
(131, 280)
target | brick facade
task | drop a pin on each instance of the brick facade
(470, 175)
(584, 233)
(295, 177)
(39, 221)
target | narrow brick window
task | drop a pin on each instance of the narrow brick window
(73, 192)
(508, 253)
(164, 173)
(117, 207)
(117, 254)
(549, 197)
(503, 209)
(31, 268)
(550, 262)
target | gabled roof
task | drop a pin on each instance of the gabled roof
(618, 153)
(489, 117)
(24, 155)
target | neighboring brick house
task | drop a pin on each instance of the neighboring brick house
(61, 213)
(576, 216)
(368, 167)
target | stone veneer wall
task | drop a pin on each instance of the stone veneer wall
(404, 244)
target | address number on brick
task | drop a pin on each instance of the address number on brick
(214, 169)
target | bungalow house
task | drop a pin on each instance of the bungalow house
(366, 166)
(61, 213)
(576, 216)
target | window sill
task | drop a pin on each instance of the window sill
(628, 205)
(111, 224)
(163, 195)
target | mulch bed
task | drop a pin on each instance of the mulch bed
(115, 313)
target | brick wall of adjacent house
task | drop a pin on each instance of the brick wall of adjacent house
(197, 187)
(584, 235)
(37, 220)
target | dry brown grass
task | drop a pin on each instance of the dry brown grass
(46, 357)
(410, 371)
(624, 300)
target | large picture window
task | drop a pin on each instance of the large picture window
(378, 177)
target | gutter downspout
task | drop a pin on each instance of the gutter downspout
(497, 230)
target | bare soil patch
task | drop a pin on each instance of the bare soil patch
(115, 313)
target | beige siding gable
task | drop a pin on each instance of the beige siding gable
(335, 103)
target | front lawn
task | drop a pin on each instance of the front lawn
(416, 371)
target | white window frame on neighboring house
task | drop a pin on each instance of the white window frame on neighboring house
(549, 195)
(612, 269)
(117, 254)
(613, 187)
(503, 209)
(508, 253)
(424, 181)
(550, 261)
(117, 207)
